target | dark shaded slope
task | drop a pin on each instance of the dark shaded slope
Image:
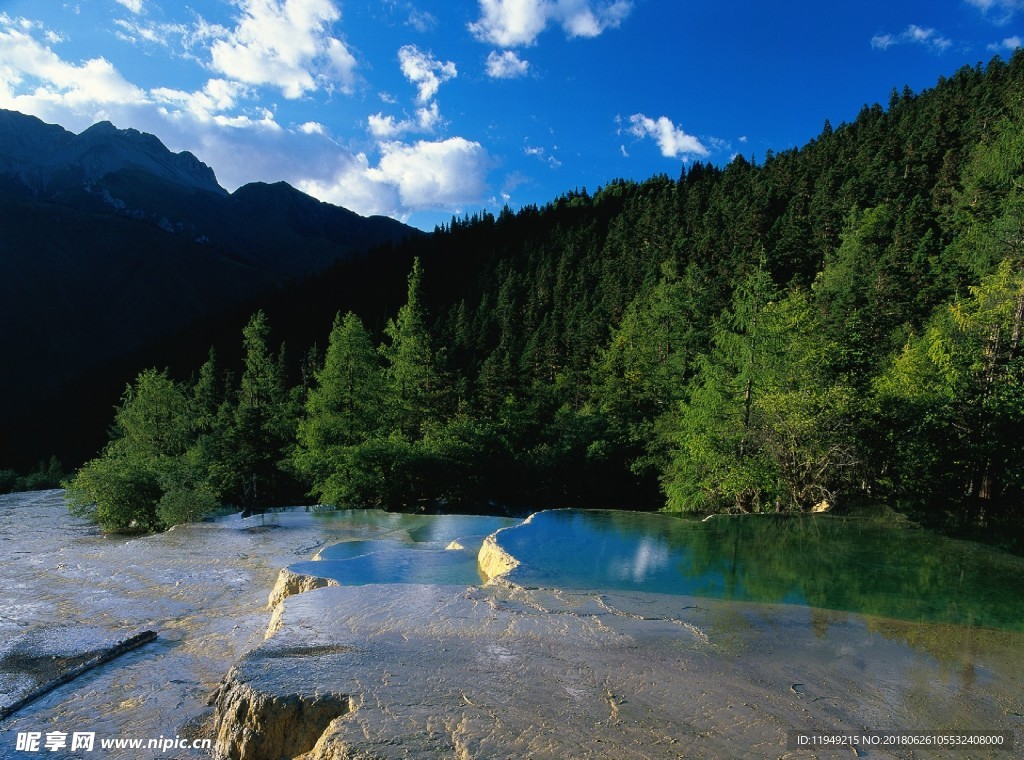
(110, 243)
(78, 289)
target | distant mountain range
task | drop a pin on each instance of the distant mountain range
(109, 241)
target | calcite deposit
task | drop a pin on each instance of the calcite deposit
(510, 667)
(290, 582)
(260, 723)
(506, 672)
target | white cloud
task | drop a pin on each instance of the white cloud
(926, 37)
(579, 19)
(506, 65)
(260, 118)
(425, 71)
(1002, 11)
(241, 145)
(672, 140)
(1010, 43)
(134, 31)
(408, 178)
(34, 79)
(285, 44)
(422, 21)
(351, 186)
(135, 6)
(883, 41)
(428, 117)
(511, 23)
(225, 125)
(434, 174)
(717, 144)
(384, 127)
(912, 35)
(217, 96)
(542, 155)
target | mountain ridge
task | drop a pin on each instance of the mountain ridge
(109, 241)
(48, 158)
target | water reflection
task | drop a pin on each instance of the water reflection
(861, 565)
(438, 567)
(364, 523)
(434, 549)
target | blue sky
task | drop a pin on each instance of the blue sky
(421, 109)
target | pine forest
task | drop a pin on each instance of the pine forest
(834, 326)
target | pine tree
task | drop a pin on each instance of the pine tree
(344, 410)
(716, 463)
(766, 424)
(642, 372)
(146, 479)
(260, 425)
(956, 398)
(412, 371)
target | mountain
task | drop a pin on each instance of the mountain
(109, 241)
(49, 160)
(132, 175)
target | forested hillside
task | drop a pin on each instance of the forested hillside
(835, 323)
(110, 242)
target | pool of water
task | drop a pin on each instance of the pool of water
(861, 565)
(439, 567)
(435, 549)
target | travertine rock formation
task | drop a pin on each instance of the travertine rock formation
(258, 723)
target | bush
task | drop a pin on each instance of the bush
(120, 493)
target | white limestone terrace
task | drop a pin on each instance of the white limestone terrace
(406, 670)
(459, 670)
(66, 591)
(423, 671)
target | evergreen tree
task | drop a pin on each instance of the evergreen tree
(412, 372)
(668, 325)
(145, 479)
(642, 372)
(259, 427)
(344, 410)
(766, 424)
(956, 396)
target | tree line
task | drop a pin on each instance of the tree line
(839, 322)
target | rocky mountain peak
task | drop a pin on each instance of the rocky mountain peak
(49, 159)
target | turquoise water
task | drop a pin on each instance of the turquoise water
(858, 565)
(401, 548)
(374, 523)
(399, 565)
